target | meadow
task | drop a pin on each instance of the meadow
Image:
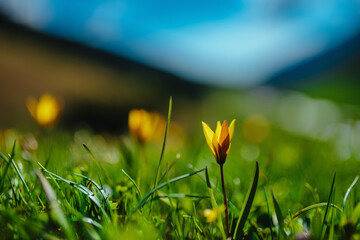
(286, 177)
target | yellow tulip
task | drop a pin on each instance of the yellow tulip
(219, 143)
(220, 140)
(145, 125)
(46, 111)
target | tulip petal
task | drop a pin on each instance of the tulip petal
(215, 145)
(224, 134)
(227, 152)
(224, 141)
(231, 129)
(218, 130)
(209, 134)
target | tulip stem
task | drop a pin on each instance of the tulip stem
(225, 200)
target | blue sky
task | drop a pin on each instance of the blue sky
(235, 43)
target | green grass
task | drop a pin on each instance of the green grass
(80, 185)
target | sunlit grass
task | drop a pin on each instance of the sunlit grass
(79, 185)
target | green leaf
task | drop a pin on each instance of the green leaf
(164, 143)
(90, 153)
(5, 171)
(172, 164)
(317, 205)
(98, 165)
(356, 214)
(133, 182)
(245, 210)
(163, 148)
(92, 222)
(177, 195)
(323, 228)
(81, 188)
(144, 199)
(101, 190)
(11, 160)
(279, 215)
(332, 223)
(349, 190)
(269, 215)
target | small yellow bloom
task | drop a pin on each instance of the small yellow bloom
(212, 214)
(46, 111)
(145, 125)
(220, 141)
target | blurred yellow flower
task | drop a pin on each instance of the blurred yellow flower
(212, 214)
(220, 141)
(46, 111)
(144, 125)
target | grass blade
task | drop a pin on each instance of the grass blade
(11, 160)
(81, 188)
(101, 190)
(164, 143)
(144, 199)
(172, 164)
(133, 182)
(54, 205)
(269, 215)
(90, 153)
(317, 205)
(245, 210)
(5, 171)
(92, 222)
(332, 218)
(279, 215)
(323, 230)
(349, 190)
(177, 195)
(98, 165)
(163, 147)
(20, 175)
(292, 233)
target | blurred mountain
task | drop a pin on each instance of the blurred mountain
(333, 75)
(232, 43)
